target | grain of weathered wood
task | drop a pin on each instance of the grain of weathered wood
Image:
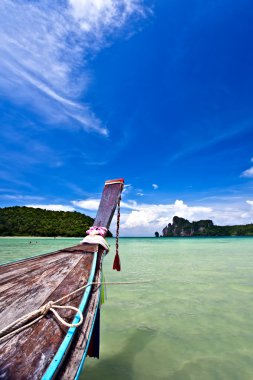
(110, 196)
(40, 342)
(29, 289)
(30, 283)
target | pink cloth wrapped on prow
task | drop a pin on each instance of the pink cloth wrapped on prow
(94, 230)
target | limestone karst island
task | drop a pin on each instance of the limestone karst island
(182, 227)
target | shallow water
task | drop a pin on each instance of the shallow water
(192, 321)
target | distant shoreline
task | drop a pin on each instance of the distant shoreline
(39, 237)
(130, 237)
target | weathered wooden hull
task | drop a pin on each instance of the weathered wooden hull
(27, 286)
(47, 349)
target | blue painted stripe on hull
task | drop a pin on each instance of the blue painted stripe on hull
(62, 350)
(88, 342)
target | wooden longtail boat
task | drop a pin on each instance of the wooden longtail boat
(49, 349)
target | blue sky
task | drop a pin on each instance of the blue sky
(158, 92)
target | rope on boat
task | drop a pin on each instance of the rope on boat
(31, 318)
(116, 262)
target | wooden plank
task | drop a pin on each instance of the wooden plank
(110, 197)
(27, 355)
(25, 287)
(29, 289)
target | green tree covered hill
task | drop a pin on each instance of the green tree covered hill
(28, 221)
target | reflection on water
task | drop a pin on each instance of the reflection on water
(193, 320)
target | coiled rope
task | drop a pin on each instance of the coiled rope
(35, 316)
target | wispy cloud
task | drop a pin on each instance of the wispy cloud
(99, 17)
(43, 50)
(76, 189)
(127, 188)
(248, 173)
(201, 145)
(26, 152)
(6, 176)
(21, 197)
(89, 204)
(52, 207)
(155, 186)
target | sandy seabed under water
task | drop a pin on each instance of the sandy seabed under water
(192, 321)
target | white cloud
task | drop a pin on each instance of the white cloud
(144, 219)
(43, 50)
(127, 188)
(160, 214)
(155, 186)
(89, 204)
(100, 17)
(247, 215)
(129, 205)
(52, 207)
(248, 173)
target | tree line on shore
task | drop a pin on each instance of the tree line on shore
(29, 221)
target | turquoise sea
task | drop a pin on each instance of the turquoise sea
(193, 320)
